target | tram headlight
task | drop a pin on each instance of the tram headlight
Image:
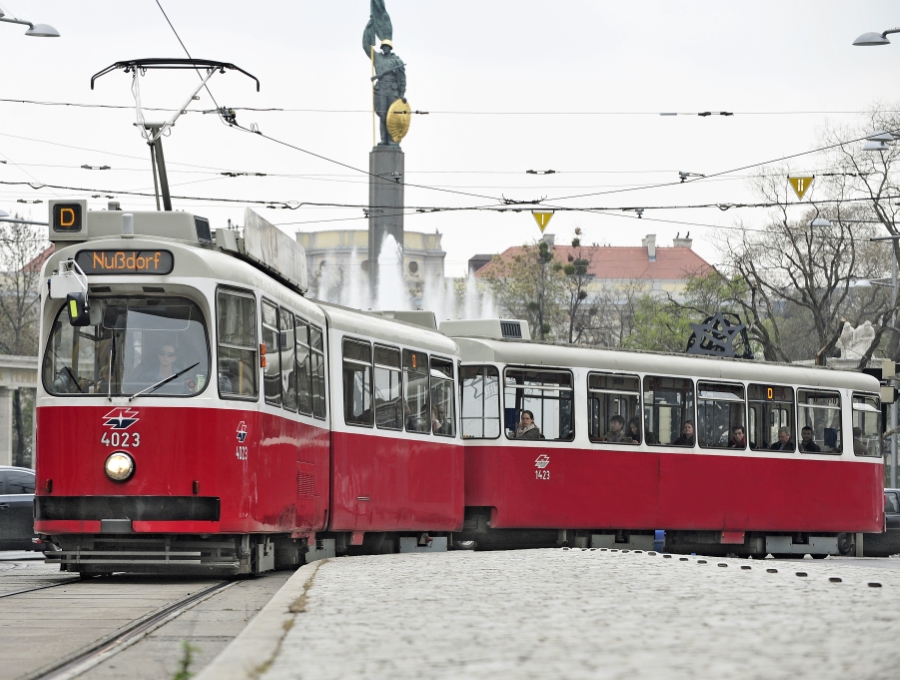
(119, 466)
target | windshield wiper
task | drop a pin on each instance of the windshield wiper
(74, 379)
(163, 381)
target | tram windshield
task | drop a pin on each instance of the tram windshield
(133, 345)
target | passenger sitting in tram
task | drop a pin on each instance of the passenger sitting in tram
(616, 433)
(634, 429)
(526, 429)
(859, 448)
(687, 435)
(806, 441)
(784, 442)
(738, 438)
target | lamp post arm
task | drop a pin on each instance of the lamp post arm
(31, 25)
(889, 31)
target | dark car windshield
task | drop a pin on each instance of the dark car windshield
(131, 344)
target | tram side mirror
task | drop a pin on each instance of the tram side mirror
(79, 310)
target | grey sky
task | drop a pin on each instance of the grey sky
(513, 57)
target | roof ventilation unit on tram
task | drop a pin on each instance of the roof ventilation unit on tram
(500, 329)
(418, 317)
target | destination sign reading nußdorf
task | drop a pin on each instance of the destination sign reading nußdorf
(125, 261)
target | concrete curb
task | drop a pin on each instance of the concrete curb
(249, 655)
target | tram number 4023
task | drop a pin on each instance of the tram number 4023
(542, 474)
(242, 452)
(124, 439)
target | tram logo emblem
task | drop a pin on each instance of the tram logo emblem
(242, 432)
(542, 461)
(120, 418)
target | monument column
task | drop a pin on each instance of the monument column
(385, 203)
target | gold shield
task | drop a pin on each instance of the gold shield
(398, 116)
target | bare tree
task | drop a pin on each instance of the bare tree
(797, 277)
(23, 249)
(578, 277)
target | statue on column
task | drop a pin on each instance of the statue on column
(389, 79)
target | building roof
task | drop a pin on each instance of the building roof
(625, 262)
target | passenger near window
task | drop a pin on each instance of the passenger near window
(669, 411)
(547, 394)
(720, 408)
(614, 408)
(771, 409)
(820, 410)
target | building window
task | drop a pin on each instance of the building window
(413, 267)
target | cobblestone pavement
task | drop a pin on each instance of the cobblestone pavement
(591, 614)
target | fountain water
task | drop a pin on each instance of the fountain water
(392, 291)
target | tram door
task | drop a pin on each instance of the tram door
(771, 409)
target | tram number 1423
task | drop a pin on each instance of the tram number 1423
(542, 474)
(121, 439)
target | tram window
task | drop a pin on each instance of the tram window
(388, 401)
(720, 408)
(288, 353)
(270, 337)
(546, 394)
(614, 408)
(238, 346)
(771, 410)
(415, 391)
(443, 413)
(866, 425)
(302, 364)
(131, 345)
(479, 398)
(820, 411)
(317, 371)
(358, 383)
(669, 411)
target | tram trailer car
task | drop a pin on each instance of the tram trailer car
(589, 483)
(236, 469)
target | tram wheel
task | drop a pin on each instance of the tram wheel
(846, 545)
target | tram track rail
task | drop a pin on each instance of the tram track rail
(80, 661)
(43, 587)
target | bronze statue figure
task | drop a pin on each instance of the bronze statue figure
(390, 72)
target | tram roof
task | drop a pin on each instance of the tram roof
(389, 330)
(190, 261)
(716, 368)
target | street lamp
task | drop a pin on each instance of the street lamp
(34, 30)
(875, 39)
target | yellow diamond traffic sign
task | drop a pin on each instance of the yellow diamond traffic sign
(801, 184)
(542, 219)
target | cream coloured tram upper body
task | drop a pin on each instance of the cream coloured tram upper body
(582, 361)
(346, 323)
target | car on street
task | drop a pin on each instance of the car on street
(888, 543)
(17, 508)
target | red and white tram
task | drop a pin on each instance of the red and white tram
(613, 462)
(188, 392)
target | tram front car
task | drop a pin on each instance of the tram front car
(139, 464)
